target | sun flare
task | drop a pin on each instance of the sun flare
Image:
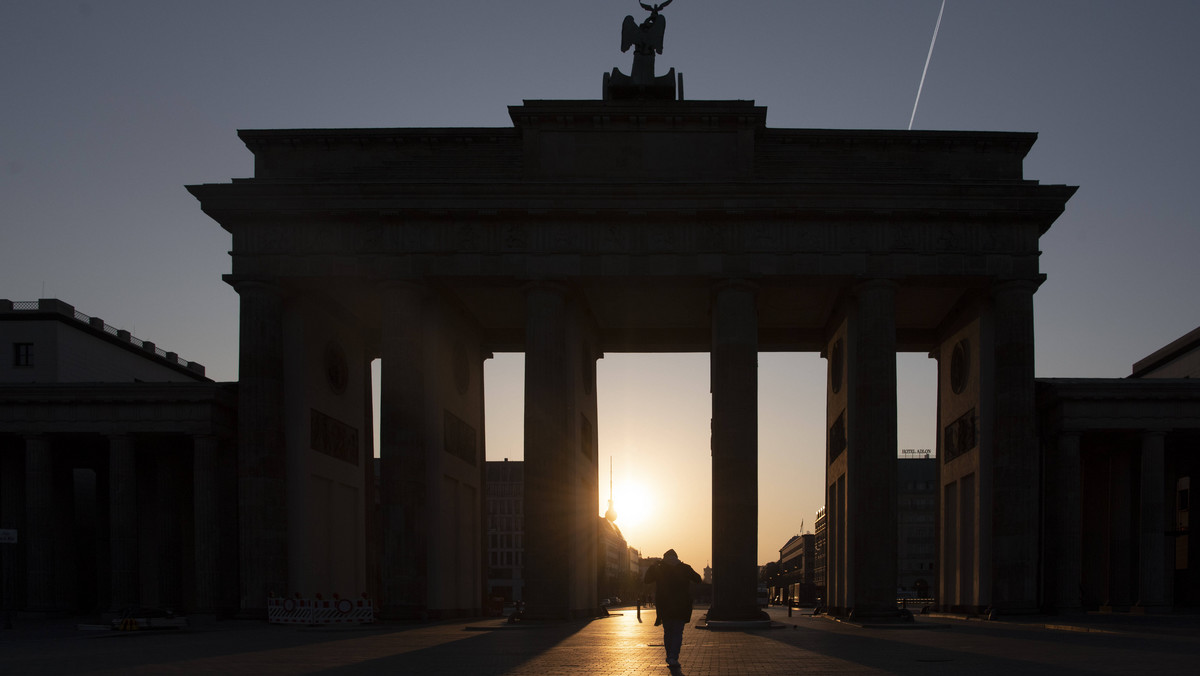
(633, 503)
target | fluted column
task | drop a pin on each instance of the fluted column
(12, 489)
(403, 449)
(1153, 540)
(1068, 517)
(262, 456)
(1015, 470)
(206, 510)
(871, 491)
(40, 535)
(1121, 585)
(123, 521)
(734, 383)
(166, 520)
(548, 507)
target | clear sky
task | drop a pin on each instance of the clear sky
(107, 109)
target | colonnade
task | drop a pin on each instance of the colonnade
(989, 552)
(1111, 532)
(110, 521)
(861, 494)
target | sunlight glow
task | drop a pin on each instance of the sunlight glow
(634, 504)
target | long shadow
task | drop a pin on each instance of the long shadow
(900, 656)
(486, 652)
(63, 650)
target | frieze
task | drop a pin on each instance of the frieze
(634, 236)
(960, 436)
(837, 437)
(585, 438)
(459, 438)
(515, 237)
(333, 437)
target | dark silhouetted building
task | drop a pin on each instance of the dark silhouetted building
(916, 521)
(1118, 457)
(117, 470)
(505, 488)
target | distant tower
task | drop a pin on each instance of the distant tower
(611, 514)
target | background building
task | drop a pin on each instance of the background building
(795, 579)
(505, 490)
(916, 522)
(116, 469)
(612, 563)
(1118, 456)
(819, 531)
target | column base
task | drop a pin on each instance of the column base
(736, 615)
(1156, 609)
(876, 616)
(737, 625)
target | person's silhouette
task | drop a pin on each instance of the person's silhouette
(673, 598)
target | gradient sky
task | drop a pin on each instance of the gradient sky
(107, 109)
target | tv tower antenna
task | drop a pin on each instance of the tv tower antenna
(611, 514)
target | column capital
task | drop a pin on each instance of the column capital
(412, 285)
(555, 286)
(874, 284)
(736, 284)
(1021, 285)
(254, 285)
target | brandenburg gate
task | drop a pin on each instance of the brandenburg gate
(627, 224)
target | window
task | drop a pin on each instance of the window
(23, 354)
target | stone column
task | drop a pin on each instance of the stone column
(166, 522)
(1068, 519)
(12, 497)
(1120, 542)
(123, 522)
(871, 491)
(371, 519)
(40, 534)
(206, 526)
(1015, 457)
(403, 450)
(262, 455)
(1152, 563)
(734, 383)
(549, 511)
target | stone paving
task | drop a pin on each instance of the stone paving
(618, 645)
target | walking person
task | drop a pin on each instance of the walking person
(673, 597)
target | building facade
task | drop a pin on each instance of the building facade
(612, 564)
(116, 470)
(505, 525)
(630, 225)
(916, 537)
(795, 581)
(1119, 454)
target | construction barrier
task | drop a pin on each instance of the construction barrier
(299, 610)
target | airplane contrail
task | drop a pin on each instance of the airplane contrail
(926, 69)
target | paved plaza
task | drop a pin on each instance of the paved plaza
(618, 644)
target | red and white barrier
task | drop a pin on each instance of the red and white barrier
(299, 610)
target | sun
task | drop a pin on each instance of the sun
(633, 502)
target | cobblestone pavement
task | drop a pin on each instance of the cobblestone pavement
(618, 644)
